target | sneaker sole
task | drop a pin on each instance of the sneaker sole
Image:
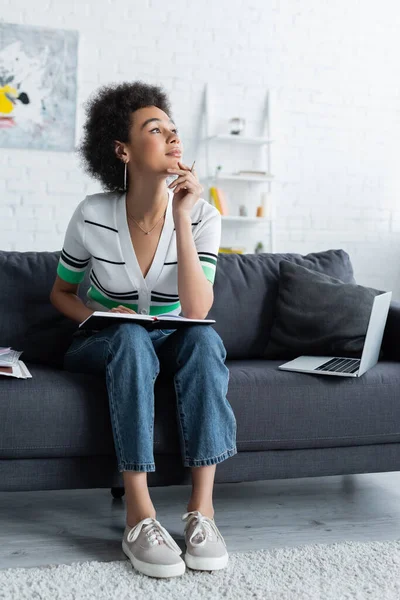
(200, 563)
(153, 570)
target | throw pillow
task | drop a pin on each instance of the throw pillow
(318, 314)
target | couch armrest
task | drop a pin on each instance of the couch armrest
(391, 336)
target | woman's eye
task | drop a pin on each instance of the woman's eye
(158, 129)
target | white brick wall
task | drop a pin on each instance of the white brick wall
(334, 69)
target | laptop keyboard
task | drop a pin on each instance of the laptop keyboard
(340, 365)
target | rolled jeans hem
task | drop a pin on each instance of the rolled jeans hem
(141, 467)
(204, 462)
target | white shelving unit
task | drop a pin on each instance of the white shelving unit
(255, 178)
(262, 144)
(259, 141)
(248, 220)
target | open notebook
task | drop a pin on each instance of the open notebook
(100, 319)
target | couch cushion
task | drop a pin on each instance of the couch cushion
(28, 320)
(319, 315)
(63, 414)
(246, 290)
(288, 410)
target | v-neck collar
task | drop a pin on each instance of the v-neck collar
(128, 251)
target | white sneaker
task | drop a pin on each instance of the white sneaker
(151, 549)
(205, 546)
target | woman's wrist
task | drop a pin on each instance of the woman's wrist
(181, 219)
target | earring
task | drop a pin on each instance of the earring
(126, 167)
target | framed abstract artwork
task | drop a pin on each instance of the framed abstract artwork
(38, 86)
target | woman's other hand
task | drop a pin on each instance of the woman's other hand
(123, 309)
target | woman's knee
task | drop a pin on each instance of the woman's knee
(206, 339)
(131, 343)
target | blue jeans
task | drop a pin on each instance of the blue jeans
(130, 357)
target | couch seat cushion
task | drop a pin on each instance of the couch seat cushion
(62, 414)
(286, 410)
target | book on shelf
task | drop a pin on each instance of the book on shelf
(218, 199)
(231, 250)
(100, 319)
(11, 366)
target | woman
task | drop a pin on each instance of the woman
(153, 249)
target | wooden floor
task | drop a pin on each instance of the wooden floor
(54, 527)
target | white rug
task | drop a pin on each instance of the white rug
(347, 571)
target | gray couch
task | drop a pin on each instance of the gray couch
(55, 431)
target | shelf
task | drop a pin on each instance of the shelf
(258, 178)
(219, 144)
(246, 219)
(240, 139)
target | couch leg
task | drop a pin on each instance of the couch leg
(117, 492)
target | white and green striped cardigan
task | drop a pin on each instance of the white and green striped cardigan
(98, 234)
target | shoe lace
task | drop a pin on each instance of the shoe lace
(155, 533)
(204, 526)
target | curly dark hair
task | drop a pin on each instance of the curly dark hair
(109, 118)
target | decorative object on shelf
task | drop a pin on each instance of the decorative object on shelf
(237, 125)
(218, 199)
(259, 248)
(243, 211)
(260, 211)
(231, 250)
(266, 203)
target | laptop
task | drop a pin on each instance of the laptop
(350, 367)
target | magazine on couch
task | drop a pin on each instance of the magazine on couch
(19, 371)
(11, 366)
(100, 319)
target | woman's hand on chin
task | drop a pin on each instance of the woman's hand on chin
(122, 309)
(187, 190)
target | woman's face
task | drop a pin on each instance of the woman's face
(154, 145)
